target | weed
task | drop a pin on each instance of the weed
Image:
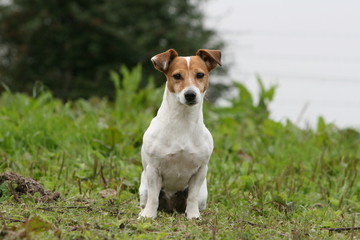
(267, 180)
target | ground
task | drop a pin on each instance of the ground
(267, 179)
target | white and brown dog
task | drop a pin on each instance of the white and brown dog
(177, 146)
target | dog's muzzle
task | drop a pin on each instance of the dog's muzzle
(190, 97)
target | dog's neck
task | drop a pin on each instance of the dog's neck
(172, 111)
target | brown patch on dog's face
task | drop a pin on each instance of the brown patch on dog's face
(200, 73)
(181, 75)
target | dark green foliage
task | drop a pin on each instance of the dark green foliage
(70, 46)
(266, 179)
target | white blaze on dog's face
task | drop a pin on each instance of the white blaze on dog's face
(187, 77)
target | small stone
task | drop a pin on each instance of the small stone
(108, 193)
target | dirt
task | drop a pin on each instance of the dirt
(19, 185)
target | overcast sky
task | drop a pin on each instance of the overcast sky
(311, 49)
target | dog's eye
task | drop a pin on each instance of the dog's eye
(200, 75)
(177, 76)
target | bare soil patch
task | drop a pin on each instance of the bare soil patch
(19, 185)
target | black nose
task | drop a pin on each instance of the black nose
(190, 96)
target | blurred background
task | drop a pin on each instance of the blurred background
(70, 46)
(309, 49)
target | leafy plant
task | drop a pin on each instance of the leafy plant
(267, 180)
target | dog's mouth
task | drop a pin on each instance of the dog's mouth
(191, 103)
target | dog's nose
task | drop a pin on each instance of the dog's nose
(190, 95)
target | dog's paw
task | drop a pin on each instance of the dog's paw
(147, 214)
(193, 215)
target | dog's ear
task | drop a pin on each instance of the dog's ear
(212, 58)
(162, 61)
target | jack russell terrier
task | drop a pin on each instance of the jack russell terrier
(177, 146)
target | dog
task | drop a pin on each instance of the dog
(177, 146)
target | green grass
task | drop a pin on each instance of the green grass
(267, 180)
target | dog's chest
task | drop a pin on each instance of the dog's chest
(180, 163)
(172, 145)
(177, 153)
(183, 155)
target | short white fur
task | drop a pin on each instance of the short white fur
(188, 61)
(175, 153)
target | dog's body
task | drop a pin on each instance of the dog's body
(177, 145)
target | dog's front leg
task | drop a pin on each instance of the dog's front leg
(192, 204)
(143, 191)
(153, 180)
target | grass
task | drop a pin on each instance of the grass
(267, 180)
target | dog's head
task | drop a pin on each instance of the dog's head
(187, 77)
